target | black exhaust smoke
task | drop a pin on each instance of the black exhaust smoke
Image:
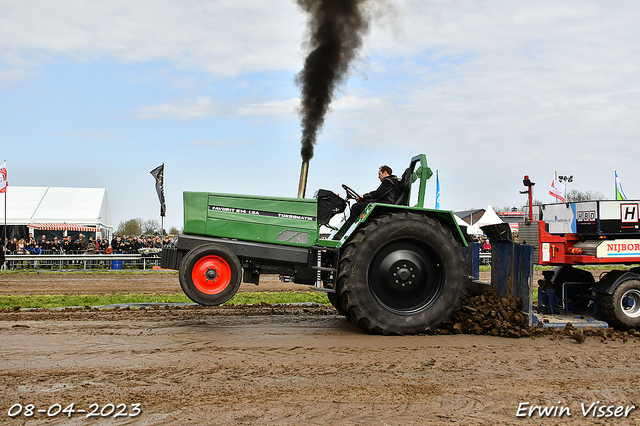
(336, 28)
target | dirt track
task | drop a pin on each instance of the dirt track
(114, 283)
(294, 365)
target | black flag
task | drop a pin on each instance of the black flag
(158, 174)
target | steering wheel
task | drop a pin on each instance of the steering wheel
(350, 192)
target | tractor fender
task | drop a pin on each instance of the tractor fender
(613, 279)
(445, 217)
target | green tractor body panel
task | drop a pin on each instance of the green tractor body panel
(273, 220)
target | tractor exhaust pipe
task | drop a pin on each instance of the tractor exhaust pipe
(302, 186)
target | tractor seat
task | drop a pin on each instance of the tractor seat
(405, 184)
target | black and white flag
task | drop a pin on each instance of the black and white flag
(158, 174)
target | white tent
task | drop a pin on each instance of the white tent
(471, 229)
(48, 206)
(488, 218)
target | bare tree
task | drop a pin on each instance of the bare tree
(150, 227)
(574, 195)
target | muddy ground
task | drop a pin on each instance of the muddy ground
(285, 365)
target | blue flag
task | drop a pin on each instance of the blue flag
(437, 191)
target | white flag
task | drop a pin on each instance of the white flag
(3, 177)
(557, 189)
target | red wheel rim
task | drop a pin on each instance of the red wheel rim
(211, 275)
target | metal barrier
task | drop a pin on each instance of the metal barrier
(75, 261)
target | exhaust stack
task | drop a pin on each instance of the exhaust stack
(302, 186)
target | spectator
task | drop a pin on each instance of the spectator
(104, 245)
(91, 247)
(119, 247)
(55, 245)
(67, 245)
(20, 246)
(126, 244)
(81, 243)
(12, 245)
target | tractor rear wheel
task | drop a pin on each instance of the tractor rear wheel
(622, 308)
(402, 273)
(210, 274)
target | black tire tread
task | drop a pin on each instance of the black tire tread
(608, 307)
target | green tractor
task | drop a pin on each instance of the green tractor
(396, 270)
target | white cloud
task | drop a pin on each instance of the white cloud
(288, 108)
(180, 109)
(352, 103)
(224, 37)
(187, 109)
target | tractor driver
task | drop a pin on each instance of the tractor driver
(388, 192)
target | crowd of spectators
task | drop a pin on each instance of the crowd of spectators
(80, 245)
(485, 245)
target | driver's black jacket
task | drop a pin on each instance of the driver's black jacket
(388, 191)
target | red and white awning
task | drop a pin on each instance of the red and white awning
(62, 227)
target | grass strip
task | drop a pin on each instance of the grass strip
(62, 300)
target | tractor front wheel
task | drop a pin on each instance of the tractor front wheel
(210, 274)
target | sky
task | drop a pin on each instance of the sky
(97, 94)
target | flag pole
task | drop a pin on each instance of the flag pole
(4, 239)
(437, 191)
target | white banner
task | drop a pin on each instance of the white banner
(557, 190)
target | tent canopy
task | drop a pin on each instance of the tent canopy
(27, 205)
(471, 229)
(62, 227)
(489, 217)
